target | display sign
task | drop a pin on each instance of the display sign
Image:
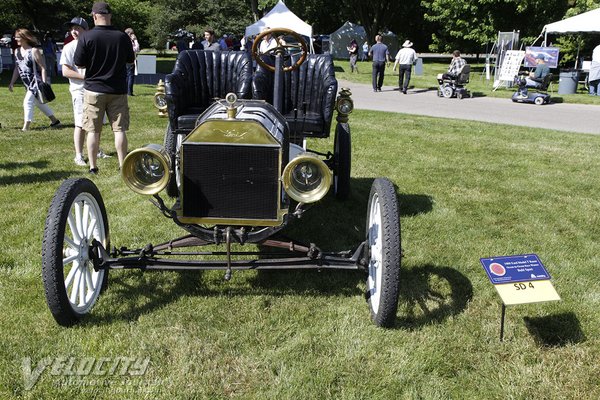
(511, 63)
(523, 268)
(520, 279)
(550, 56)
(527, 292)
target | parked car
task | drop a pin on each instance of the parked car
(235, 170)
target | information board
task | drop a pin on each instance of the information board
(520, 279)
(522, 268)
(511, 63)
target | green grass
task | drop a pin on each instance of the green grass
(467, 190)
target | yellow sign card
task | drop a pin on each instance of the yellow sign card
(527, 292)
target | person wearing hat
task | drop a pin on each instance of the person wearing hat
(405, 58)
(535, 78)
(104, 52)
(77, 26)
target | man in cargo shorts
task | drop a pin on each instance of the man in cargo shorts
(104, 52)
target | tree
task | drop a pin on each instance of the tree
(470, 24)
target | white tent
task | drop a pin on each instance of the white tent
(281, 17)
(340, 39)
(586, 22)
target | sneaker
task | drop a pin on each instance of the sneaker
(93, 171)
(101, 154)
(55, 124)
(80, 161)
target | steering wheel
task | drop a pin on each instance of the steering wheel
(288, 50)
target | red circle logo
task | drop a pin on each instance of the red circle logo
(497, 269)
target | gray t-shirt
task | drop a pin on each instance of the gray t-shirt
(380, 52)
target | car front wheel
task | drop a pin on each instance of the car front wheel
(384, 244)
(343, 157)
(75, 219)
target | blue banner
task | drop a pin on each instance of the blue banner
(507, 269)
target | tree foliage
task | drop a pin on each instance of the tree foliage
(442, 25)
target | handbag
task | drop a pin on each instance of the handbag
(44, 94)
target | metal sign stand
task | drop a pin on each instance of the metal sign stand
(502, 322)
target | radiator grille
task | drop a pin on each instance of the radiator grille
(230, 181)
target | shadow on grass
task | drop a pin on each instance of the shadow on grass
(48, 176)
(430, 294)
(332, 225)
(17, 165)
(150, 291)
(555, 330)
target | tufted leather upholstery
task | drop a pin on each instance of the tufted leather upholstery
(201, 76)
(308, 95)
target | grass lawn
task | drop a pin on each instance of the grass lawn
(467, 190)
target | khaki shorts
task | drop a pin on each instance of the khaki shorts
(114, 105)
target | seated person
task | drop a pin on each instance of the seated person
(455, 67)
(535, 78)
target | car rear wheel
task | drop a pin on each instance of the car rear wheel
(76, 218)
(343, 157)
(384, 244)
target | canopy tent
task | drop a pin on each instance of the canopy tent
(281, 17)
(340, 39)
(586, 22)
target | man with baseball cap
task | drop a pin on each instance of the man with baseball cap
(535, 78)
(77, 26)
(104, 52)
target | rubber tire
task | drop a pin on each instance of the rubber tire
(170, 144)
(459, 96)
(539, 100)
(53, 247)
(342, 150)
(447, 91)
(383, 303)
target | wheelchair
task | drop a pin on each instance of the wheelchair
(455, 87)
(537, 96)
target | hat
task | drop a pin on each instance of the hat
(540, 57)
(77, 21)
(101, 8)
(407, 43)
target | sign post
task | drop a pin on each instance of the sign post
(519, 280)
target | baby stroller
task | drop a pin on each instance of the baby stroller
(538, 96)
(455, 87)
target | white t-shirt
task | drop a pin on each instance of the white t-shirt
(66, 58)
(406, 55)
(266, 45)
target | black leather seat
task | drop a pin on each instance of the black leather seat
(309, 94)
(198, 78)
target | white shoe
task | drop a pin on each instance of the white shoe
(79, 160)
(102, 155)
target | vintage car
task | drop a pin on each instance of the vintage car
(235, 170)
